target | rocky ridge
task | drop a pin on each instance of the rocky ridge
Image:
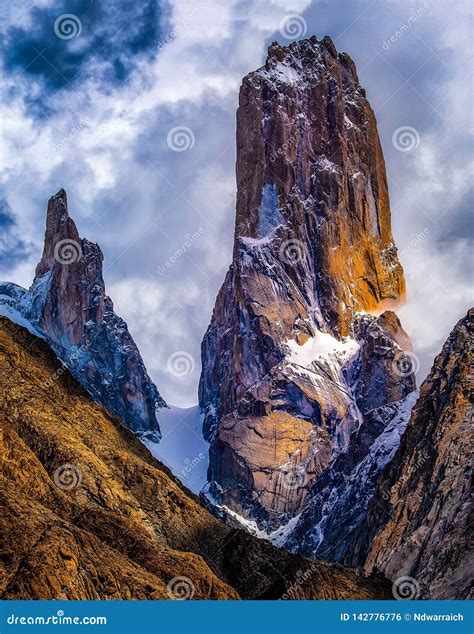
(68, 306)
(420, 522)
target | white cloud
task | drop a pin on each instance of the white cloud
(138, 199)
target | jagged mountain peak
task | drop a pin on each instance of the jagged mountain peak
(311, 184)
(295, 361)
(305, 55)
(67, 304)
(60, 227)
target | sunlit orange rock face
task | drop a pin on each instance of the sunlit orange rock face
(307, 134)
(313, 248)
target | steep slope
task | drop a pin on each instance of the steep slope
(88, 513)
(67, 305)
(334, 517)
(293, 364)
(421, 520)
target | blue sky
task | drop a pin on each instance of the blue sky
(131, 107)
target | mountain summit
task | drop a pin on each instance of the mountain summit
(311, 181)
(68, 306)
(301, 366)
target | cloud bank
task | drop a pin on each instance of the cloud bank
(133, 112)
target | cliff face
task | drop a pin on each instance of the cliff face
(87, 513)
(292, 362)
(332, 523)
(67, 304)
(309, 162)
(420, 521)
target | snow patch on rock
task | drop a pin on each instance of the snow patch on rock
(344, 505)
(270, 216)
(6, 310)
(321, 347)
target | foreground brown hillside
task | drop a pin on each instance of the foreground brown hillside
(88, 513)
